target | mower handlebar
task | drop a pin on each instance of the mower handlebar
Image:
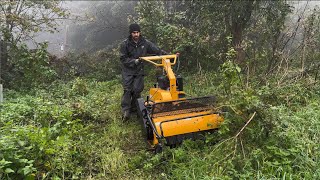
(164, 58)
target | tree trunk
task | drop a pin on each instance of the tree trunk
(4, 66)
(240, 13)
(237, 30)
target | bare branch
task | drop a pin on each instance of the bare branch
(245, 125)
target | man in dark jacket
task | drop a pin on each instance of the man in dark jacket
(132, 48)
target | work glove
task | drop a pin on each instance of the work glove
(137, 61)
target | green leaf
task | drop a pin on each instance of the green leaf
(238, 68)
(4, 162)
(9, 170)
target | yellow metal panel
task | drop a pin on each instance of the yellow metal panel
(187, 123)
(159, 95)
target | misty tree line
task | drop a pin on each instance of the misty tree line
(264, 38)
(256, 35)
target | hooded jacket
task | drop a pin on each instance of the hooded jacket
(129, 51)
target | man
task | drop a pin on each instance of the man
(132, 48)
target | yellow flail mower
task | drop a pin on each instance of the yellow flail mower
(168, 116)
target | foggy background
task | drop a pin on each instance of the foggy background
(92, 25)
(96, 25)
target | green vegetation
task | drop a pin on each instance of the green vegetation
(61, 117)
(74, 130)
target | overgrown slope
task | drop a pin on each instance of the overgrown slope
(74, 131)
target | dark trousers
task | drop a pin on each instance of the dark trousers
(132, 87)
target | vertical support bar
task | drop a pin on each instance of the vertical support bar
(1, 93)
(1, 88)
(172, 78)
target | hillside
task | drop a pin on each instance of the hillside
(74, 130)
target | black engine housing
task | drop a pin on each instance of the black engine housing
(164, 83)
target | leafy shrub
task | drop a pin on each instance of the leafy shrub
(101, 65)
(31, 68)
(39, 135)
